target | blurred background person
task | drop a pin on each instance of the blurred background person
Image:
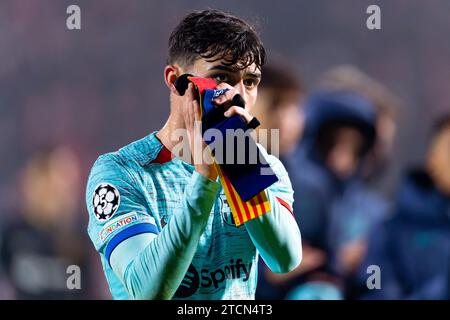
(45, 236)
(375, 165)
(347, 147)
(348, 77)
(412, 248)
(345, 121)
(334, 207)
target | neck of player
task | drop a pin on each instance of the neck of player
(166, 133)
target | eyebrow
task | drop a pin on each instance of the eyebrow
(232, 70)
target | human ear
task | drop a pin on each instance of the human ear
(171, 73)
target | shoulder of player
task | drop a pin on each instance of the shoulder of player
(110, 167)
(128, 160)
(145, 152)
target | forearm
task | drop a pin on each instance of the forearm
(158, 269)
(277, 237)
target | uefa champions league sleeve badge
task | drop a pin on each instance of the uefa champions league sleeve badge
(105, 201)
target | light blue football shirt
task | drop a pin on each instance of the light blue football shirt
(138, 188)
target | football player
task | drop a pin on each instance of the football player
(161, 224)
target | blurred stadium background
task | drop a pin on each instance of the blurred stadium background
(92, 91)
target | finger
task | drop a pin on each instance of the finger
(188, 106)
(190, 92)
(196, 108)
(235, 100)
(195, 117)
(240, 111)
(220, 100)
(186, 99)
(228, 95)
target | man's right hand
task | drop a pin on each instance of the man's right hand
(201, 157)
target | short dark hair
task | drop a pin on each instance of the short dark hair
(213, 34)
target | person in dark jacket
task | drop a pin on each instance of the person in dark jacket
(334, 207)
(412, 249)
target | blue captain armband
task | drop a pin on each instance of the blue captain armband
(128, 233)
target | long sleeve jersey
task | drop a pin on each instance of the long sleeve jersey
(163, 231)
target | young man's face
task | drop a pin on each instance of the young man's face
(245, 81)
